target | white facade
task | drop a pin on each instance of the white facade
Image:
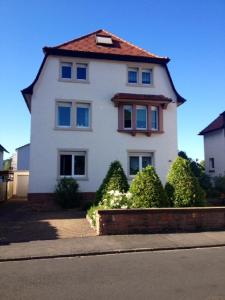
(214, 146)
(23, 158)
(103, 143)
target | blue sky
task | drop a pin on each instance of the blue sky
(191, 33)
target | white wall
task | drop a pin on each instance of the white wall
(104, 143)
(23, 157)
(214, 145)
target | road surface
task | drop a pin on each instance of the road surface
(182, 274)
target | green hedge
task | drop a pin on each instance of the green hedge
(147, 190)
(115, 180)
(182, 187)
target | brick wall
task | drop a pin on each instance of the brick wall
(46, 201)
(160, 220)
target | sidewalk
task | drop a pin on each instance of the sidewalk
(109, 245)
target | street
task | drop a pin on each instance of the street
(181, 274)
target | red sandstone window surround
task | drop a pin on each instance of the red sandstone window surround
(140, 113)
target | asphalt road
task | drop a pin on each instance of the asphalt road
(182, 274)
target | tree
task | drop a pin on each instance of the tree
(183, 188)
(147, 190)
(115, 179)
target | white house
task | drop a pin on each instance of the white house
(214, 146)
(23, 158)
(96, 99)
(2, 150)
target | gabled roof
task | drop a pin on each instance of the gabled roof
(3, 149)
(87, 44)
(217, 124)
(87, 47)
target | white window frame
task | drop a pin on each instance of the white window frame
(211, 163)
(133, 69)
(146, 116)
(64, 63)
(84, 105)
(63, 104)
(155, 108)
(81, 64)
(140, 155)
(124, 107)
(73, 154)
(146, 71)
(140, 69)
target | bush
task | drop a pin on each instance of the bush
(183, 188)
(147, 190)
(113, 200)
(66, 193)
(219, 185)
(115, 180)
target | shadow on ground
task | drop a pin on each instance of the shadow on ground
(18, 223)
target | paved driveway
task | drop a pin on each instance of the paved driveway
(18, 223)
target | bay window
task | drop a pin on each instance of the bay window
(155, 117)
(141, 117)
(127, 113)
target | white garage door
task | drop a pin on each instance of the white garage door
(22, 185)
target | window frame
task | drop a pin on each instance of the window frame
(63, 104)
(73, 153)
(158, 118)
(140, 154)
(64, 63)
(74, 64)
(85, 105)
(140, 69)
(146, 117)
(146, 71)
(127, 128)
(211, 164)
(73, 117)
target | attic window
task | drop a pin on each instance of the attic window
(104, 40)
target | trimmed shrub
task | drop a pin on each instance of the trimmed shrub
(183, 188)
(115, 180)
(147, 190)
(66, 193)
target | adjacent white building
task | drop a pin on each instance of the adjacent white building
(214, 146)
(97, 99)
(2, 150)
(23, 158)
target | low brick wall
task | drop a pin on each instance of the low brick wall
(160, 220)
(46, 201)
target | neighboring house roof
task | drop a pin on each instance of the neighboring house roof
(23, 146)
(218, 123)
(3, 149)
(87, 46)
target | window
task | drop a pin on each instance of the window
(127, 112)
(81, 71)
(73, 115)
(139, 76)
(73, 164)
(146, 76)
(138, 161)
(141, 117)
(104, 40)
(82, 115)
(132, 75)
(211, 163)
(155, 117)
(64, 114)
(66, 70)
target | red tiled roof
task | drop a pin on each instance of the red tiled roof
(217, 124)
(88, 43)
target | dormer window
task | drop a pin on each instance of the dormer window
(104, 40)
